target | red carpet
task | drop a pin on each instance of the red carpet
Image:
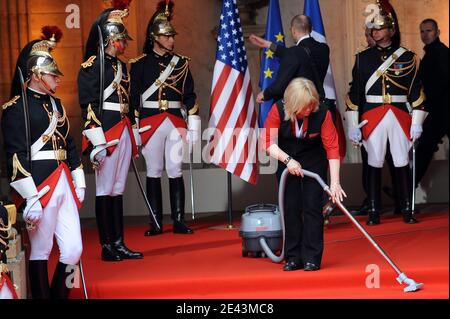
(208, 264)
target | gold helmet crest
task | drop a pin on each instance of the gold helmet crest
(160, 22)
(384, 18)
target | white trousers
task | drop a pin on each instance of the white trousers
(165, 144)
(110, 179)
(5, 292)
(388, 129)
(60, 219)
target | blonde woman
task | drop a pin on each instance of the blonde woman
(300, 133)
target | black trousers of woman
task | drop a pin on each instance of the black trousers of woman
(303, 202)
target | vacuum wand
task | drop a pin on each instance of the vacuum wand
(402, 278)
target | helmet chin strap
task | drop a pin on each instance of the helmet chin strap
(162, 46)
(44, 83)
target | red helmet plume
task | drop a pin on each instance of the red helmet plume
(120, 4)
(51, 31)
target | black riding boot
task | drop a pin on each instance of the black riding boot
(154, 196)
(118, 243)
(176, 189)
(38, 272)
(374, 183)
(405, 188)
(363, 209)
(392, 191)
(103, 214)
(59, 288)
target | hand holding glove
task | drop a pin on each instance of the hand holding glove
(80, 182)
(33, 211)
(418, 117)
(80, 193)
(415, 131)
(137, 137)
(354, 134)
(354, 128)
(194, 129)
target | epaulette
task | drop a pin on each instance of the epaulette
(363, 50)
(405, 48)
(184, 57)
(11, 102)
(134, 60)
(408, 50)
(88, 62)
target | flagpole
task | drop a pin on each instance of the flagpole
(230, 202)
(230, 225)
(232, 106)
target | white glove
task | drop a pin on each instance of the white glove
(80, 193)
(194, 128)
(137, 137)
(100, 156)
(33, 211)
(99, 153)
(79, 182)
(354, 134)
(415, 131)
(192, 136)
(354, 129)
(418, 117)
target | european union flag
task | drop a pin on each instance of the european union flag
(270, 63)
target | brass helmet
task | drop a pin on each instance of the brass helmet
(160, 22)
(111, 24)
(114, 28)
(40, 61)
(385, 18)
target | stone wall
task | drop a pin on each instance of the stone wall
(195, 21)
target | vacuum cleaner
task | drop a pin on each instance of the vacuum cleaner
(261, 227)
(261, 223)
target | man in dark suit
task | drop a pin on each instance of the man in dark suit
(433, 72)
(295, 61)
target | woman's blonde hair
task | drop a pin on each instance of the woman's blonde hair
(300, 93)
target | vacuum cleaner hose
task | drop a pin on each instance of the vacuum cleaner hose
(262, 240)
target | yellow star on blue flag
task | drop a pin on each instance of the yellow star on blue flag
(270, 62)
(269, 54)
(268, 73)
(280, 37)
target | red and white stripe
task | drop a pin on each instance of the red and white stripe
(233, 116)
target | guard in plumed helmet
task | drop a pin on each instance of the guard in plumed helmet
(162, 89)
(386, 92)
(110, 133)
(44, 167)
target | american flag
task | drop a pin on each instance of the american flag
(233, 144)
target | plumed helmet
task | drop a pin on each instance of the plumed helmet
(35, 57)
(40, 61)
(114, 28)
(111, 24)
(386, 18)
(159, 24)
